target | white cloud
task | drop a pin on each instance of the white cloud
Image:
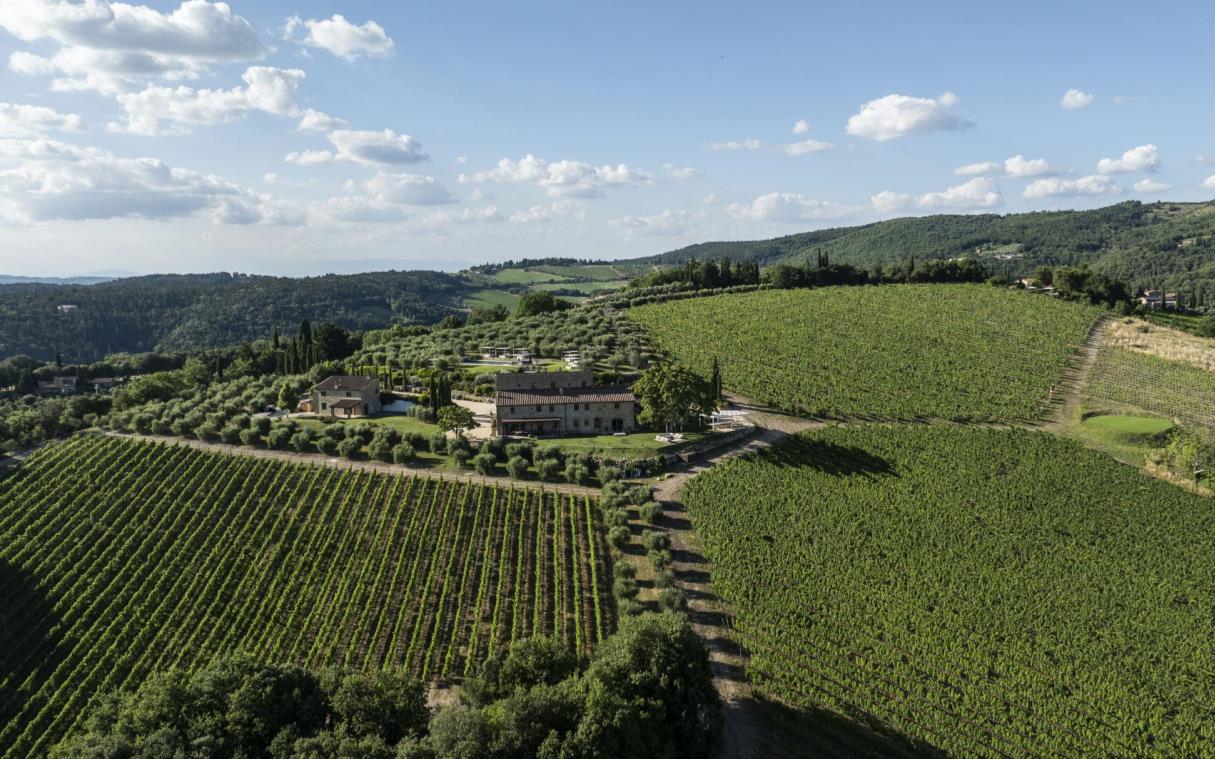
(1121, 100)
(17, 120)
(801, 126)
(978, 169)
(317, 121)
(667, 222)
(487, 215)
(750, 144)
(563, 178)
(340, 37)
(277, 179)
(360, 210)
(158, 110)
(894, 116)
(806, 147)
(355, 146)
(55, 180)
(409, 189)
(1052, 187)
(1205, 160)
(1150, 185)
(546, 212)
(1021, 167)
(980, 192)
(1073, 99)
(115, 46)
(681, 172)
(786, 206)
(1142, 158)
(888, 201)
(1209, 183)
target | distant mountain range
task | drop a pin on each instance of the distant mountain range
(1146, 245)
(9, 279)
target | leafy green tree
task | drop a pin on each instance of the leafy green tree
(456, 419)
(487, 315)
(539, 302)
(349, 447)
(670, 395)
(403, 453)
(517, 466)
(485, 462)
(382, 704)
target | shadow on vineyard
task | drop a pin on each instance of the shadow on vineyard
(820, 732)
(27, 643)
(829, 458)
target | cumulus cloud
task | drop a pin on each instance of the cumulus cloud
(317, 121)
(1143, 158)
(888, 201)
(980, 192)
(750, 144)
(543, 213)
(1073, 99)
(680, 172)
(115, 46)
(806, 147)
(18, 120)
(1151, 185)
(786, 206)
(339, 36)
(667, 222)
(801, 126)
(486, 215)
(563, 178)
(58, 181)
(978, 169)
(409, 189)
(895, 116)
(356, 209)
(1209, 183)
(1054, 187)
(366, 147)
(158, 110)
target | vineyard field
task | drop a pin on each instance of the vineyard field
(1173, 389)
(121, 557)
(958, 352)
(981, 592)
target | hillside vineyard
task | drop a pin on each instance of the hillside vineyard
(985, 592)
(957, 352)
(119, 558)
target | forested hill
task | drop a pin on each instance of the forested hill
(176, 312)
(1146, 245)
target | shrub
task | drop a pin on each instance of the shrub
(458, 443)
(660, 559)
(417, 440)
(461, 456)
(262, 425)
(438, 441)
(350, 447)
(517, 466)
(619, 536)
(616, 517)
(629, 607)
(673, 599)
(655, 540)
(577, 473)
(623, 569)
(547, 468)
(380, 448)
(651, 512)
(230, 434)
(665, 579)
(523, 448)
(625, 587)
(484, 462)
(402, 453)
(279, 437)
(302, 441)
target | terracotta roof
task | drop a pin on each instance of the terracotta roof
(341, 382)
(346, 403)
(564, 396)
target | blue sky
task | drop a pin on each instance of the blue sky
(306, 137)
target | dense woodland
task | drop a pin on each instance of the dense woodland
(1145, 245)
(176, 312)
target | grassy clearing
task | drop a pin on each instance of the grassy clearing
(586, 288)
(631, 446)
(1162, 342)
(1125, 380)
(120, 557)
(492, 298)
(960, 352)
(1129, 439)
(978, 592)
(524, 276)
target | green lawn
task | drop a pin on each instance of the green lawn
(524, 276)
(492, 298)
(635, 445)
(1127, 438)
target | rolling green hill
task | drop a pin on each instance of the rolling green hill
(1146, 245)
(180, 312)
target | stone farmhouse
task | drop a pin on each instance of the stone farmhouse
(561, 403)
(345, 397)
